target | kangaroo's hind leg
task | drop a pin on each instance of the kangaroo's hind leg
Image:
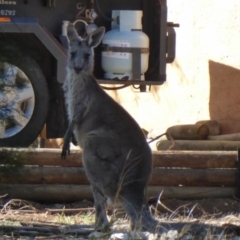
(101, 220)
(99, 174)
(102, 161)
(135, 204)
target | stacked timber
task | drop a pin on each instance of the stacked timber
(201, 136)
(200, 145)
(41, 175)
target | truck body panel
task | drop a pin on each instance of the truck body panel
(34, 29)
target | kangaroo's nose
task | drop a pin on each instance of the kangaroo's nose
(78, 69)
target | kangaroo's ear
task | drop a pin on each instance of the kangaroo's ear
(72, 33)
(94, 38)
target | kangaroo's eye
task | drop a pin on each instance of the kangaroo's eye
(73, 54)
(86, 55)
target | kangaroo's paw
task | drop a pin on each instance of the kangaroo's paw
(67, 140)
(65, 150)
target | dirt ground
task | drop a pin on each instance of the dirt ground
(26, 220)
(199, 208)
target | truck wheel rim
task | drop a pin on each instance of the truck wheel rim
(17, 100)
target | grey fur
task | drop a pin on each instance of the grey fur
(116, 156)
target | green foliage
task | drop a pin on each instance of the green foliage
(11, 157)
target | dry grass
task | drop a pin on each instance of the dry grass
(25, 212)
(60, 222)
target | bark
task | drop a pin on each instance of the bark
(213, 126)
(226, 137)
(200, 145)
(195, 159)
(191, 159)
(194, 177)
(43, 175)
(73, 193)
(160, 176)
(188, 132)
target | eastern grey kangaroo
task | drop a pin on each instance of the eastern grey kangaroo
(116, 156)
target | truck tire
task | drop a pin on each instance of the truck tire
(23, 99)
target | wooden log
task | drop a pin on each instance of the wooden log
(43, 175)
(187, 193)
(74, 193)
(188, 132)
(47, 193)
(225, 137)
(213, 126)
(160, 176)
(238, 177)
(199, 145)
(190, 159)
(39, 156)
(195, 159)
(194, 177)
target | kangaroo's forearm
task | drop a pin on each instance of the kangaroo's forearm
(67, 139)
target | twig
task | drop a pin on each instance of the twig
(27, 224)
(153, 139)
(192, 210)
(173, 142)
(160, 203)
(32, 229)
(21, 211)
(3, 196)
(73, 210)
(19, 202)
(46, 231)
(175, 212)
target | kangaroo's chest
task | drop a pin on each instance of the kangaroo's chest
(77, 95)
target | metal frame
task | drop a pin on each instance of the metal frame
(31, 25)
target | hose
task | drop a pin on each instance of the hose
(101, 13)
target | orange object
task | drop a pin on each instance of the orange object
(5, 19)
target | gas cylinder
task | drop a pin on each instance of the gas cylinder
(126, 32)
